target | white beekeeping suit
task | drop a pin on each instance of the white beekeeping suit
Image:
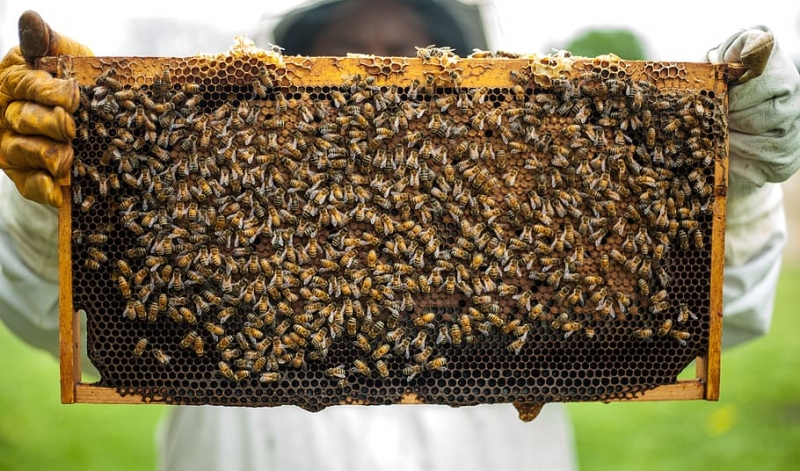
(764, 123)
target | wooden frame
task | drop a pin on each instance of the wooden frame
(705, 385)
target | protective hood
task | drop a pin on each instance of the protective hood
(449, 22)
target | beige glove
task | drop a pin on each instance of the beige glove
(764, 124)
(764, 111)
(36, 125)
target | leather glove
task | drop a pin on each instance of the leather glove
(36, 124)
(764, 111)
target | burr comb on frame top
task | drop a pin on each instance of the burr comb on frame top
(249, 229)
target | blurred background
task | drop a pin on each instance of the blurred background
(680, 30)
(756, 423)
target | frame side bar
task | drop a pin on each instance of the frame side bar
(717, 260)
(69, 324)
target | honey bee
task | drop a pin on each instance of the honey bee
(450, 284)
(438, 363)
(596, 237)
(698, 239)
(410, 371)
(561, 295)
(140, 347)
(226, 370)
(512, 326)
(666, 326)
(533, 311)
(363, 343)
(419, 340)
(672, 126)
(423, 355)
(523, 299)
(576, 296)
(605, 308)
(658, 307)
(381, 351)
(520, 77)
(352, 326)
(684, 313)
(87, 203)
(269, 377)
(504, 289)
(281, 103)
(402, 346)
(643, 334)
(683, 239)
(644, 287)
(260, 361)
(599, 296)
(298, 360)
(360, 367)
(631, 265)
(254, 333)
(124, 268)
(659, 296)
(338, 98)
(215, 330)
(107, 80)
(632, 214)
(425, 320)
(681, 336)
(131, 309)
(97, 238)
(672, 228)
(445, 102)
(162, 358)
(650, 137)
(382, 368)
(554, 279)
(225, 342)
(97, 255)
(336, 372)
(197, 344)
(570, 328)
(619, 227)
(124, 286)
(559, 321)
(642, 237)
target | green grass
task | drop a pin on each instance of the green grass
(39, 433)
(755, 425)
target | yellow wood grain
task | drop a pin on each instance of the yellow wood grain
(681, 391)
(69, 324)
(329, 71)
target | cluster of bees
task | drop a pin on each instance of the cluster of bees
(272, 226)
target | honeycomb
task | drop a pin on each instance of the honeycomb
(254, 230)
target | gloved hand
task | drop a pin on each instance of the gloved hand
(764, 111)
(36, 125)
(764, 132)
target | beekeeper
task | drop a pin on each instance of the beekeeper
(36, 128)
